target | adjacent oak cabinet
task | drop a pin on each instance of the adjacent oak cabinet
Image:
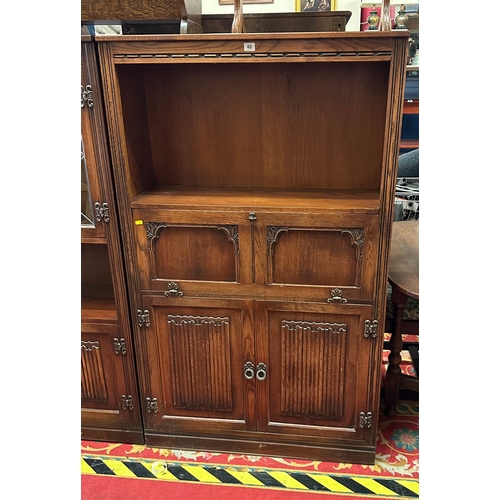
(255, 178)
(110, 406)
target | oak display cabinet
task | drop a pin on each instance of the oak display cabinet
(255, 179)
(109, 398)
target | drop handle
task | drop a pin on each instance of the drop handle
(261, 371)
(252, 216)
(248, 370)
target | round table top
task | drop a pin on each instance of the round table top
(403, 262)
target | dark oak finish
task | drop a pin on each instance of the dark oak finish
(256, 193)
(108, 373)
(404, 278)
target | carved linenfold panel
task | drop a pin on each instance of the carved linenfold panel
(200, 362)
(313, 369)
(92, 373)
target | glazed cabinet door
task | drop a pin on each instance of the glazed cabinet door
(196, 354)
(94, 205)
(314, 363)
(107, 402)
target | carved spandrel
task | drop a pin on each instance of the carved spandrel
(272, 236)
(313, 369)
(92, 373)
(200, 350)
(153, 230)
(357, 236)
(233, 235)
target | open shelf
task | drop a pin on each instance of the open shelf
(366, 200)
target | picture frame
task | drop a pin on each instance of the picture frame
(315, 5)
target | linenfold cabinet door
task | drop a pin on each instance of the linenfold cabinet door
(197, 350)
(315, 362)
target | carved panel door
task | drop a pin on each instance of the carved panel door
(202, 251)
(317, 365)
(197, 350)
(308, 256)
(105, 400)
(92, 215)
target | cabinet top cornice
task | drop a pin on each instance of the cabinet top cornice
(344, 35)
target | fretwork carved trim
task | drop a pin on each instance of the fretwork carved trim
(198, 320)
(258, 55)
(315, 327)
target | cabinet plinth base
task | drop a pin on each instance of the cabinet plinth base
(337, 454)
(112, 435)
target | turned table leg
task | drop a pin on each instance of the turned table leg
(395, 345)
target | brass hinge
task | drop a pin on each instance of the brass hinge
(365, 419)
(143, 318)
(101, 213)
(120, 347)
(371, 328)
(87, 96)
(152, 405)
(127, 402)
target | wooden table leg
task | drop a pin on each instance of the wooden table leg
(395, 345)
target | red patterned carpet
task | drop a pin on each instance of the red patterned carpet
(114, 471)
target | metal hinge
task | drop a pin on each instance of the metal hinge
(152, 405)
(143, 318)
(371, 328)
(87, 96)
(120, 347)
(365, 419)
(127, 402)
(101, 213)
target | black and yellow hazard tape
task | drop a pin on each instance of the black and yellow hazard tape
(345, 484)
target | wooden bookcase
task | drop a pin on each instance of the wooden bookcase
(109, 396)
(255, 179)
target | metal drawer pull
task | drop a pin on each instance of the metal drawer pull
(248, 370)
(261, 371)
(252, 216)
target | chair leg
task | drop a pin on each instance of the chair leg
(395, 345)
